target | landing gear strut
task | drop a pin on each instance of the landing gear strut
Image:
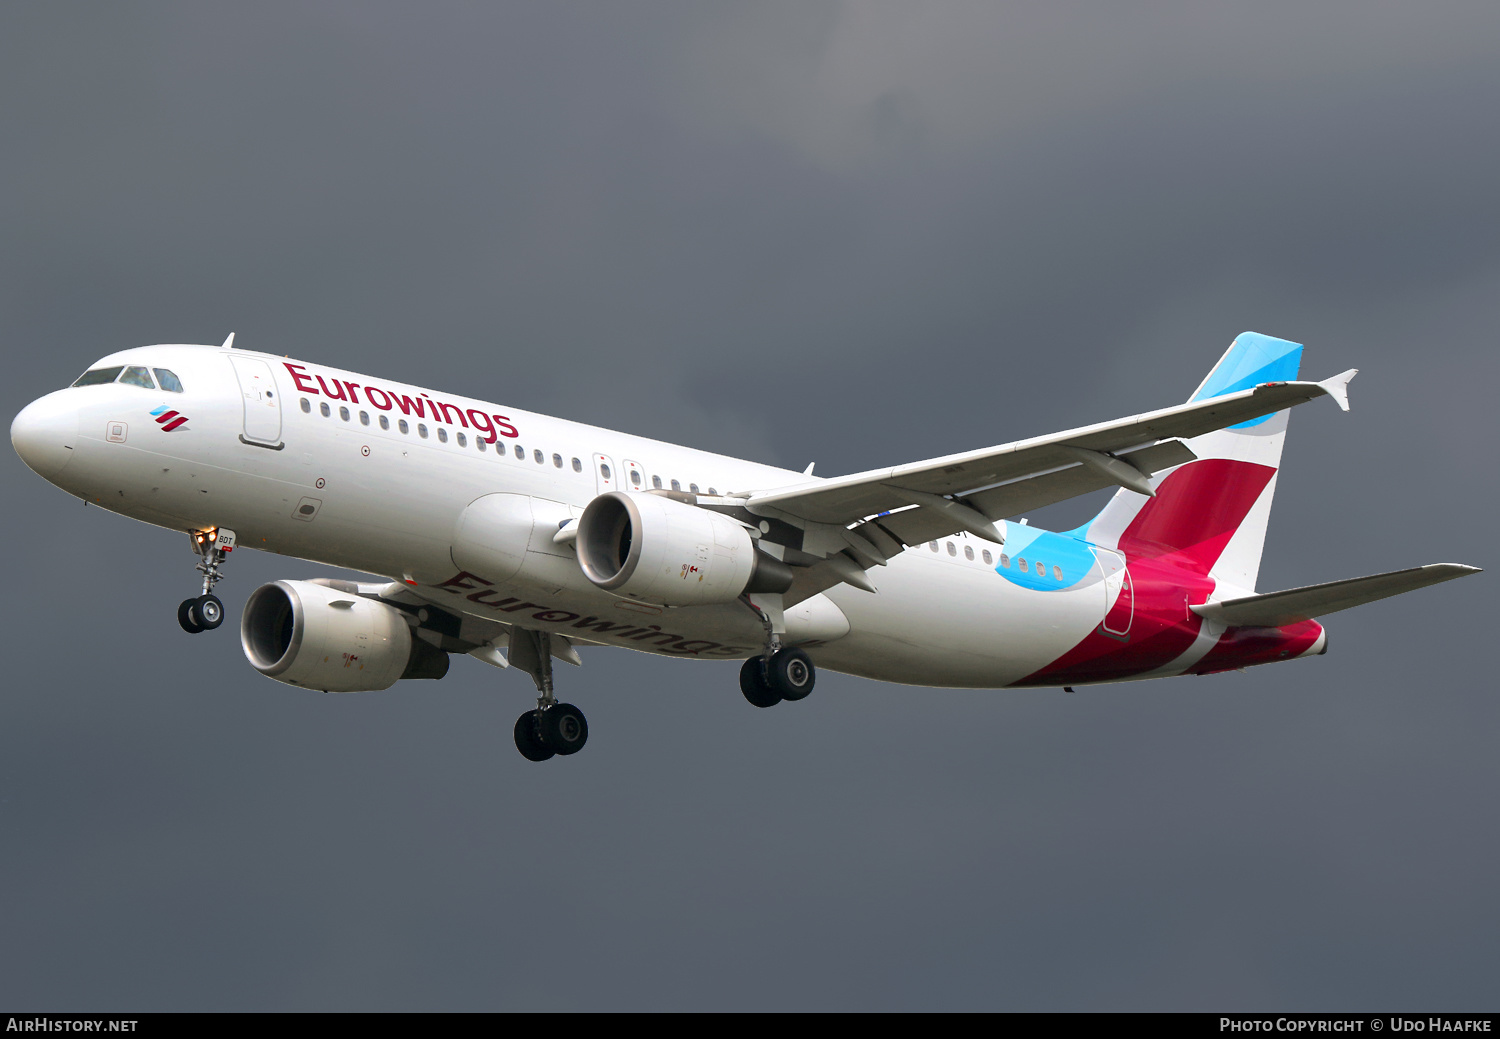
(206, 612)
(552, 728)
(780, 672)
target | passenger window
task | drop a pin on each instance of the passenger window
(482, 444)
(136, 375)
(604, 470)
(540, 458)
(344, 414)
(1057, 573)
(463, 441)
(951, 550)
(1023, 565)
(988, 559)
(323, 409)
(932, 545)
(969, 552)
(422, 430)
(676, 486)
(306, 406)
(713, 492)
(401, 425)
(100, 376)
(557, 461)
(364, 418)
(442, 435)
(635, 477)
(577, 466)
(169, 381)
(693, 487)
(385, 423)
(656, 482)
(1005, 560)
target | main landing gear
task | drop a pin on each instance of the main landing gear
(552, 728)
(787, 675)
(780, 672)
(206, 612)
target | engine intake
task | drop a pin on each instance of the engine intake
(316, 637)
(649, 547)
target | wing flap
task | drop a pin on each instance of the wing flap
(1024, 495)
(1274, 609)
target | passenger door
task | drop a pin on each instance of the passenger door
(1119, 593)
(262, 403)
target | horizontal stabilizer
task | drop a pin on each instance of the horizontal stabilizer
(1299, 604)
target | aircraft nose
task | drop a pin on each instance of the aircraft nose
(45, 433)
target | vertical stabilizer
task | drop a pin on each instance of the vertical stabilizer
(1210, 515)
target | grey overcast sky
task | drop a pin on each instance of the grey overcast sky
(859, 234)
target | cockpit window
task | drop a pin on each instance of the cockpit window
(99, 376)
(168, 380)
(136, 375)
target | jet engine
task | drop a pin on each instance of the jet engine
(316, 637)
(653, 548)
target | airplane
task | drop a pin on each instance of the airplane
(518, 539)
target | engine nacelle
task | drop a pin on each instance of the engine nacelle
(316, 637)
(652, 548)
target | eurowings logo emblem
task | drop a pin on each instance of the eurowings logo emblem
(167, 418)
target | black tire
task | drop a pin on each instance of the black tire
(186, 617)
(563, 729)
(753, 684)
(527, 741)
(791, 674)
(208, 611)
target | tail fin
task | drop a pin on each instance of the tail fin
(1210, 515)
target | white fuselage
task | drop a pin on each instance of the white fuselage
(347, 490)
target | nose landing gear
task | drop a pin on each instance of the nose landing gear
(206, 612)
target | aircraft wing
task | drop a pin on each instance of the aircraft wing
(1299, 604)
(968, 491)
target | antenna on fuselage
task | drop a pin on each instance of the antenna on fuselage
(228, 343)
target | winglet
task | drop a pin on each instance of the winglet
(228, 343)
(1338, 387)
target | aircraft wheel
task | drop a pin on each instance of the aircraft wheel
(185, 616)
(562, 729)
(208, 611)
(791, 674)
(527, 741)
(753, 684)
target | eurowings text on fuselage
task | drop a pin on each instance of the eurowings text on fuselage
(504, 530)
